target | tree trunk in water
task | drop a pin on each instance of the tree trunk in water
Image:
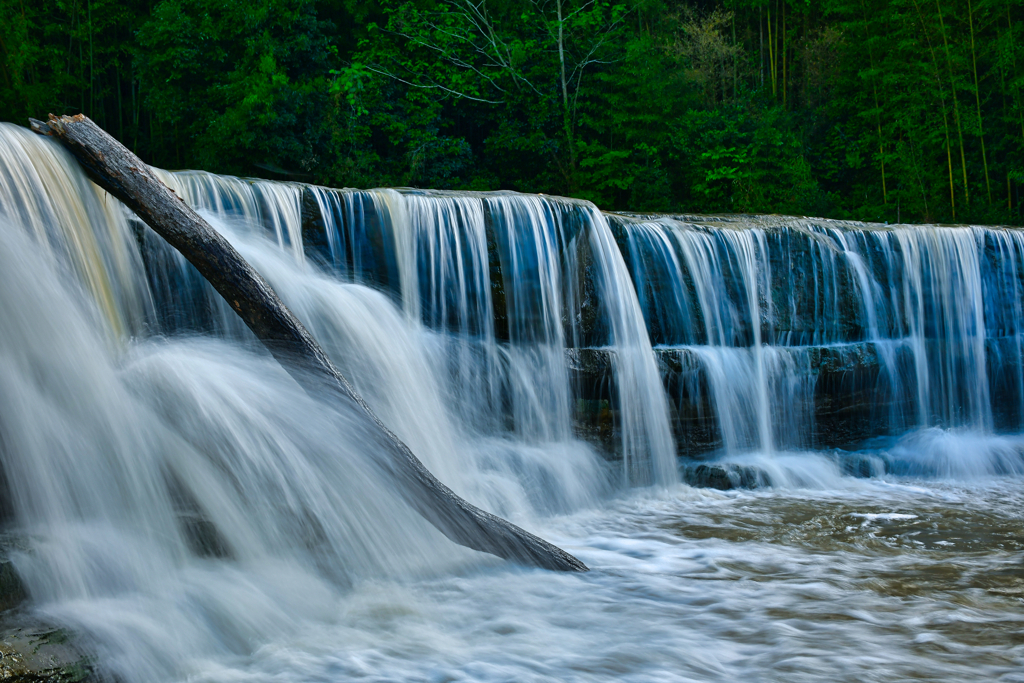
(126, 177)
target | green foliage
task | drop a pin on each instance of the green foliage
(869, 109)
(742, 159)
(53, 58)
(241, 83)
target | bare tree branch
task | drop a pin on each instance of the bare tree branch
(432, 86)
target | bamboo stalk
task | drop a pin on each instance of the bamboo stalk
(1005, 90)
(881, 152)
(942, 100)
(771, 52)
(878, 118)
(81, 58)
(956, 104)
(120, 107)
(71, 35)
(735, 59)
(1013, 56)
(949, 163)
(783, 54)
(977, 100)
(6, 60)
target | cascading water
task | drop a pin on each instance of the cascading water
(732, 354)
(189, 513)
(760, 306)
(444, 258)
(198, 445)
(37, 193)
(647, 446)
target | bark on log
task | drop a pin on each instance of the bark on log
(126, 177)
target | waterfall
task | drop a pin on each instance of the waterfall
(714, 333)
(143, 431)
(42, 190)
(935, 310)
(499, 275)
(732, 353)
(181, 502)
(747, 330)
(276, 206)
(647, 445)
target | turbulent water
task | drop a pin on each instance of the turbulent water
(190, 513)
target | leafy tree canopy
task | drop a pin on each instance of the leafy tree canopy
(868, 109)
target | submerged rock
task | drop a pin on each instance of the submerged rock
(862, 465)
(725, 476)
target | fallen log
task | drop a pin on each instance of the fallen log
(115, 169)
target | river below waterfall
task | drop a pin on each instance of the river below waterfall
(886, 581)
(186, 512)
(881, 580)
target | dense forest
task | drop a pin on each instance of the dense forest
(883, 110)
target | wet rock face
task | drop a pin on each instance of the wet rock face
(691, 409)
(315, 242)
(41, 655)
(12, 590)
(32, 652)
(847, 394)
(853, 398)
(806, 292)
(590, 371)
